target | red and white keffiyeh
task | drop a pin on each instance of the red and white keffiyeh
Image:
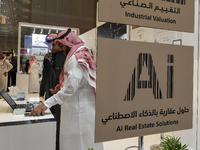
(32, 60)
(82, 54)
(4, 59)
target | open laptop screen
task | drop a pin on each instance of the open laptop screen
(8, 99)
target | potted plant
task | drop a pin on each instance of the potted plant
(172, 143)
(169, 143)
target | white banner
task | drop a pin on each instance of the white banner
(164, 14)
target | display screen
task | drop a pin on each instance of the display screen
(8, 99)
(38, 40)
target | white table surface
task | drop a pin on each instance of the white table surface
(19, 132)
(6, 112)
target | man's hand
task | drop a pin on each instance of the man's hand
(5, 74)
(38, 110)
(57, 88)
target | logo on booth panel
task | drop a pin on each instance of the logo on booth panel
(144, 77)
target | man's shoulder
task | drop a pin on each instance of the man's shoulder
(72, 59)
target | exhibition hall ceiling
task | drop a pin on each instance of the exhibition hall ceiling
(67, 13)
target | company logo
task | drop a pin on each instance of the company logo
(145, 66)
(182, 2)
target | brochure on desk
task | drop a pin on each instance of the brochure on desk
(142, 89)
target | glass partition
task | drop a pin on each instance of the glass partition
(31, 40)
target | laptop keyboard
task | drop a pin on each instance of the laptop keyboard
(21, 106)
(28, 107)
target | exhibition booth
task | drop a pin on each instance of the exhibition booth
(32, 43)
(138, 43)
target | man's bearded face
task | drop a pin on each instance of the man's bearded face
(63, 48)
(1, 56)
(56, 48)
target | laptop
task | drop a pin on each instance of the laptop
(28, 107)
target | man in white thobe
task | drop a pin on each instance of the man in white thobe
(33, 75)
(76, 95)
(5, 67)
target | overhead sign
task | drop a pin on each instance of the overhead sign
(164, 14)
(142, 89)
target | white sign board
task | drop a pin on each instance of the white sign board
(164, 14)
(142, 89)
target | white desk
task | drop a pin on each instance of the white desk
(18, 132)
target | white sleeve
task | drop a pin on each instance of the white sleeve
(71, 83)
(9, 66)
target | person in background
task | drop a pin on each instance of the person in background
(5, 67)
(48, 78)
(13, 72)
(75, 94)
(33, 75)
(58, 59)
(48, 82)
(58, 56)
(53, 69)
(27, 65)
(48, 74)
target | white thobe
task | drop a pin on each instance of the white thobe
(5, 68)
(34, 78)
(77, 100)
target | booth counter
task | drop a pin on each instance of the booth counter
(20, 132)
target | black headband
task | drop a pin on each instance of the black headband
(61, 37)
(64, 35)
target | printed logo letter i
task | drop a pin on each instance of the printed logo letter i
(170, 76)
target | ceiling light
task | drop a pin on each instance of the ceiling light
(41, 31)
(22, 1)
(33, 30)
(21, 9)
(4, 28)
(49, 31)
(21, 16)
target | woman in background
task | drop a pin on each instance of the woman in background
(34, 77)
